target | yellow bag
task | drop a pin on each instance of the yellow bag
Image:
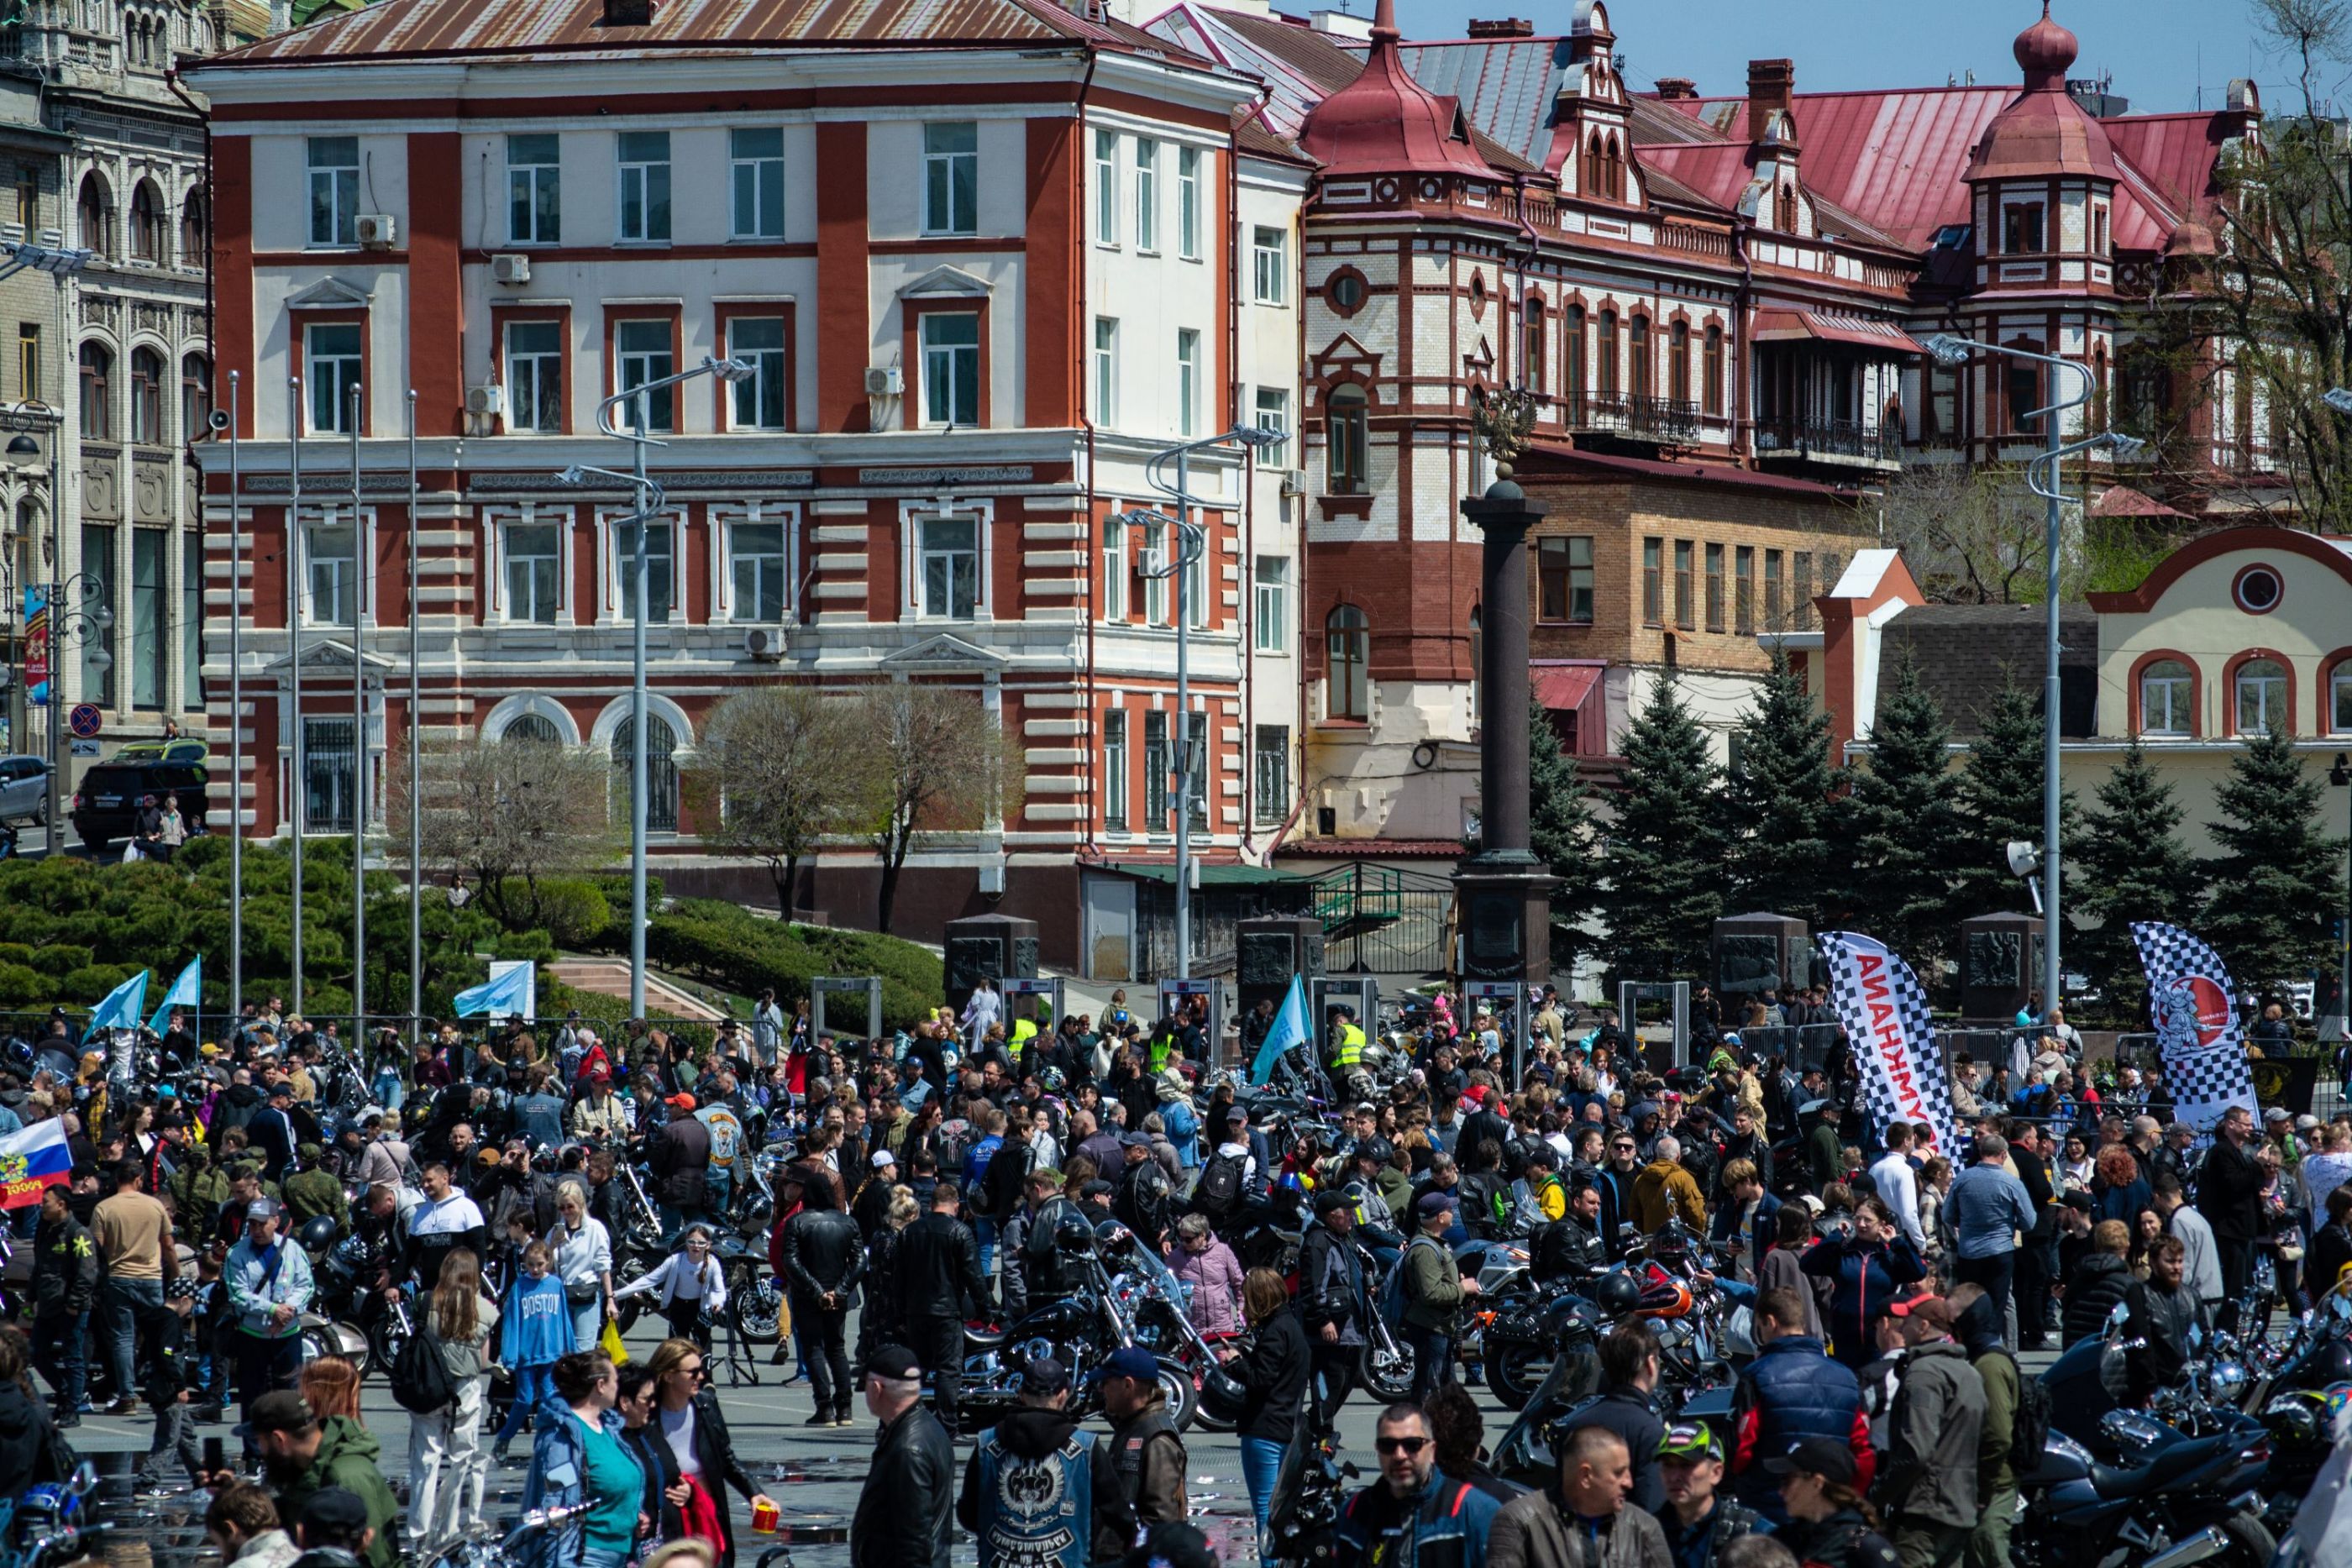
(609, 1342)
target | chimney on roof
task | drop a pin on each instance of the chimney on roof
(1340, 25)
(1770, 85)
(1673, 88)
(1503, 27)
(628, 12)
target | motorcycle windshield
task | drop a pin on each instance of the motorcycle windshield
(1527, 1453)
(1287, 1481)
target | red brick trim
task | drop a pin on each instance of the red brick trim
(2229, 687)
(2133, 722)
(2208, 547)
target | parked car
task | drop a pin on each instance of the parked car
(106, 803)
(24, 790)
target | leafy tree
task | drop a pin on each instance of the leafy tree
(1666, 848)
(1560, 833)
(769, 783)
(1906, 817)
(1782, 789)
(2134, 867)
(508, 814)
(2276, 892)
(933, 759)
(2001, 794)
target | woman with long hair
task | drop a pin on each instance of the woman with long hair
(2117, 1189)
(883, 1319)
(579, 1250)
(699, 1464)
(331, 1386)
(445, 1462)
(2148, 1230)
(580, 1456)
(1273, 1370)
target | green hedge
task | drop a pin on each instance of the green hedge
(727, 946)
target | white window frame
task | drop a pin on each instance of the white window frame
(1188, 382)
(338, 561)
(767, 208)
(1269, 264)
(757, 512)
(1106, 188)
(1156, 595)
(912, 521)
(767, 364)
(506, 369)
(1147, 195)
(2240, 682)
(947, 171)
(1270, 604)
(2179, 699)
(1188, 203)
(620, 383)
(1260, 816)
(617, 562)
(1271, 410)
(925, 349)
(1105, 365)
(1114, 570)
(530, 176)
(312, 379)
(558, 519)
(341, 188)
(653, 178)
(1117, 785)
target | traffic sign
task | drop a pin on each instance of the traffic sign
(81, 748)
(83, 719)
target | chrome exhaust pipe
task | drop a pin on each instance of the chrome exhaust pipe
(2206, 1542)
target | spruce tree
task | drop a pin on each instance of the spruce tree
(1560, 831)
(2001, 795)
(2134, 867)
(1782, 789)
(1906, 820)
(1666, 850)
(2276, 892)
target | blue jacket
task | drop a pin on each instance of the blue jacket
(1767, 1225)
(1792, 1391)
(535, 1328)
(1863, 1276)
(1988, 1209)
(1450, 1527)
(558, 1478)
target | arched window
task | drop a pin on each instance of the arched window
(1784, 207)
(1592, 166)
(661, 773)
(1616, 175)
(1638, 381)
(194, 243)
(2167, 700)
(538, 729)
(195, 397)
(1605, 347)
(146, 397)
(1348, 641)
(97, 393)
(2258, 697)
(91, 216)
(146, 226)
(1531, 343)
(1713, 373)
(1571, 356)
(1346, 422)
(1678, 385)
(2339, 699)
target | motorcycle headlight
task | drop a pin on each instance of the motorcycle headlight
(2228, 1374)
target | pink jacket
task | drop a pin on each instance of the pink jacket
(1215, 1277)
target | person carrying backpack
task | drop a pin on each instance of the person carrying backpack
(1217, 1190)
(2016, 1421)
(1433, 1292)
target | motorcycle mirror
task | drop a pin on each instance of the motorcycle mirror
(2120, 1316)
(1347, 1468)
(84, 1479)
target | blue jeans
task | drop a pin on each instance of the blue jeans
(587, 1323)
(1433, 1358)
(718, 1191)
(58, 1339)
(129, 1304)
(1261, 1467)
(534, 1387)
(984, 1232)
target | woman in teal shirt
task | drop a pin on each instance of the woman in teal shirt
(581, 1458)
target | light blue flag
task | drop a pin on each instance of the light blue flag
(503, 993)
(1288, 1028)
(185, 992)
(122, 1006)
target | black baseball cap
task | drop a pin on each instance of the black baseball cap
(1043, 1376)
(338, 1511)
(1832, 1461)
(894, 1363)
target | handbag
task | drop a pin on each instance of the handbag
(609, 1342)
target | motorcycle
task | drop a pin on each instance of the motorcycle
(2297, 1386)
(479, 1551)
(1519, 1343)
(49, 1525)
(1387, 1364)
(1154, 1300)
(1309, 1492)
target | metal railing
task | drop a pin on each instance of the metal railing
(1621, 414)
(1829, 438)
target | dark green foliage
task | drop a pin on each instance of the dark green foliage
(727, 946)
(1783, 793)
(1561, 834)
(2134, 867)
(1906, 820)
(2277, 891)
(1664, 859)
(2001, 795)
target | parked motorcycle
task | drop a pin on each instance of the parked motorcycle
(1309, 1492)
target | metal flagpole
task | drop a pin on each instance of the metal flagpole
(236, 722)
(639, 574)
(416, 759)
(295, 567)
(359, 740)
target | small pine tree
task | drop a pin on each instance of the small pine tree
(2276, 892)
(1560, 831)
(2134, 867)
(1783, 794)
(2001, 795)
(1666, 850)
(1904, 821)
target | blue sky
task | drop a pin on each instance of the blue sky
(2152, 48)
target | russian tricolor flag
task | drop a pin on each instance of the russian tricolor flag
(33, 1160)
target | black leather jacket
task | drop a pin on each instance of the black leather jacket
(905, 1514)
(1565, 1250)
(823, 1252)
(938, 1269)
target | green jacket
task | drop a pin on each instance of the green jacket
(1993, 1472)
(1432, 1289)
(347, 1458)
(313, 1193)
(1396, 1191)
(197, 1192)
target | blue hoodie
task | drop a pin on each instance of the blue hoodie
(535, 1328)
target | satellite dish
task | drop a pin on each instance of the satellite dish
(2024, 857)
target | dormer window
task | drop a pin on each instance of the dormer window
(1784, 208)
(2020, 228)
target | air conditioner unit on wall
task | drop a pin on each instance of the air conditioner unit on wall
(509, 268)
(764, 643)
(485, 399)
(376, 231)
(885, 381)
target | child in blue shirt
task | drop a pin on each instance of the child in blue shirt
(534, 1332)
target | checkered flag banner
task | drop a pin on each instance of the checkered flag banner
(1885, 1010)
(2197, 1029)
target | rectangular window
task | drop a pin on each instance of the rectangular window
(1114, 745)
(1274, 413)
(29, 361)
(1196, 585)
(1800, 589)
(1188, 202)
(151, 640)
(535, 376)
(2020, 228)
(1714, 587)
(1155, 586)
(1564, 578)
(327, 547)
(1105, 187)
(1686, 595)
(1654, 587)
(334, 190)
(950, 368)
(1114, 570)
(534, 572)
(1188, 382)
(191, 620)
(756, 561)
(29, 199)
(1772, 621)
(1743, 590)
(949, 567)
(1156, 768)
(1270, 604)
(98, 566)
(1147, 193)
(1270, 775)
(1941, 420)
(661, 568)
(1270, 264)
(329, 774)
(534, 190)
(331, 367)
(758, 341)
(647, 354)
(1105, 371)
(644, 187)
(756, 165)
(951, 178)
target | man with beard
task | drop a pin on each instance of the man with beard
(302, 1456)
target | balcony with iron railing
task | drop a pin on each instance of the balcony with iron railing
(1842, 443)
(1666, 421)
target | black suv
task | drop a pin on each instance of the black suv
(106, 802)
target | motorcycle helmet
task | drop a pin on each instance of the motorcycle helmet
(1221, 1397)
(1378, 1150)
(1617, 1294)
(1074, 1234)
(317, 1234)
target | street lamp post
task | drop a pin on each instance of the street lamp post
(2341, 776)
(1191, 546)
(649, 502)
(1950, 349)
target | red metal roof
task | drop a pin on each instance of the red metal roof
(1563, 688)
(1778, 326)
(2043, 131)
(1384, 122)
(1550, 457)
(2174, 152)
(1718, 170)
